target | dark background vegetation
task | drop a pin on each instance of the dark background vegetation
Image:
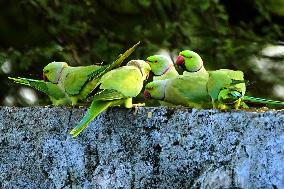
(227, 34)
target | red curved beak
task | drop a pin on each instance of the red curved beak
(147, 94)
(44, 77)
(180, 60)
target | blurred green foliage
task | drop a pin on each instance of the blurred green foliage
(225, 33)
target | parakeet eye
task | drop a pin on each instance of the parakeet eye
(156, 61)
(190, 57)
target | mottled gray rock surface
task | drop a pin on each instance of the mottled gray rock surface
(152, 148)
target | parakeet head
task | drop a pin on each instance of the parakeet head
(190, 60)
(155, 89)
(52, 71)
(142, 66)
(160, 64)
(229, 96)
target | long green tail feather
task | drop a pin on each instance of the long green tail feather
(263, 101)
(97, 74)
(36, 84)
(94, 110)
(23, 81)
(123, 56)
(115, 64)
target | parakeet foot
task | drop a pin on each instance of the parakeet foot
(138, 104)
(135, 106)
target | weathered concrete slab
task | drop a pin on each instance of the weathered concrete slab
(152, 148)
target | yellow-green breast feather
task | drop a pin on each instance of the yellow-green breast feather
(127, 80)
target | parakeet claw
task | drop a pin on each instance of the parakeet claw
(135, 106)
(139, 104)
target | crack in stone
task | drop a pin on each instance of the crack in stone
(91, 168)
(156, 159)
(70, 116)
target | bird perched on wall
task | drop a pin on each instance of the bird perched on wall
(162, 67)
(189, 91)
(117, 87)
(66, 84)
(226, 87)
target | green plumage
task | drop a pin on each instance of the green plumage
(190, 61)
(73, 84)
(232, 82)
(267, 102)
(162, 67)
(55, 93)
(226, 87)
(93, 111)
(117, 87)
(73, 79)
(189, 91)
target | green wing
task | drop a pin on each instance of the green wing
(117, 87)
(224, 78)
(189, 91)
(226, 88)
(120, 59)
(109, 94)
(77, 77)
(93, 81)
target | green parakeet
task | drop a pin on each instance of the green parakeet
(190, 61)
(189, 91)
(226, 88)
(162, 67)
(117, 87)
(71, 83)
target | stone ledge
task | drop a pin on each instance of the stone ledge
(150, 148)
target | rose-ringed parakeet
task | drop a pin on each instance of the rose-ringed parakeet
(189, 91)
(190, 61)
(162, 67)
(117, 87)
(226, 87)
(66, 85)
(227, 90)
